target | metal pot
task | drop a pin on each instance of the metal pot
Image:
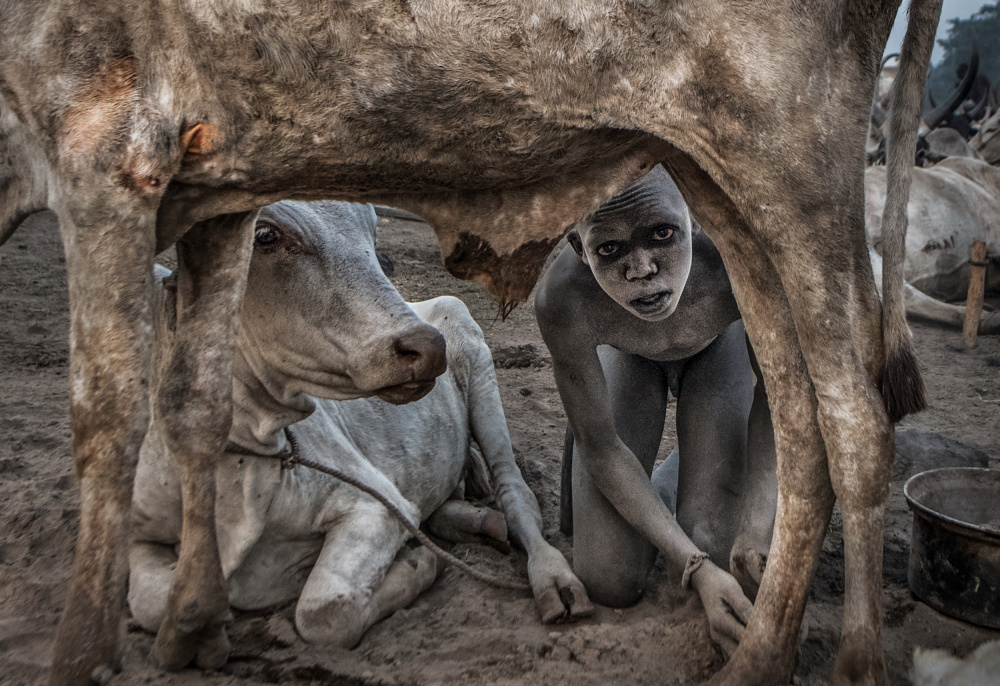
(955, 544)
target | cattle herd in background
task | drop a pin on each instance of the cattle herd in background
(955, 199)
(963, 124)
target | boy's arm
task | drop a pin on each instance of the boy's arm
(617, 472)
(614, 469)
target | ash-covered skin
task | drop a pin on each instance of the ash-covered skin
(639, 307)
(638, 246)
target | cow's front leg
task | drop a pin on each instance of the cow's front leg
(193, 412)
(109, 241)
(359, 578)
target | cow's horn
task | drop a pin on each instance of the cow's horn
(979, 109)
(937, 115)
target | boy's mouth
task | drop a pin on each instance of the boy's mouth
(651, 304)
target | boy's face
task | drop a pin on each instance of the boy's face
(638, 247)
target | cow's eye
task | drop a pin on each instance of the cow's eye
(608, 249)
(662, 233)
(265, 235)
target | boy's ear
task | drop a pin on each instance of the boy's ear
(573, 237)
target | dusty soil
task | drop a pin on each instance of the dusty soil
(460, 629)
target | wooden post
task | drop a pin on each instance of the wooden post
(974, 303)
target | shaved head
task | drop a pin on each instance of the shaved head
(655, 185)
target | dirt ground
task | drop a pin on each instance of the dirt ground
(459, 629)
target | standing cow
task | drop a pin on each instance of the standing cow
(149, 123)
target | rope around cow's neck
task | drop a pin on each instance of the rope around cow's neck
(290, 460)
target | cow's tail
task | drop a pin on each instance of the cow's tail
(902, 385)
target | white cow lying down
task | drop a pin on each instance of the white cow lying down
(298, 533)
(951, 205)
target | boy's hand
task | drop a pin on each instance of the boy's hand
(727, 608)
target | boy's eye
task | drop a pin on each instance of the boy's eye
(606, 249)
(663, 233)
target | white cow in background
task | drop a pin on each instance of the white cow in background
(298, 533)
(952, 204)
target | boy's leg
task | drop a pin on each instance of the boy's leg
(713, 406)
(760, 493)
(609, 556)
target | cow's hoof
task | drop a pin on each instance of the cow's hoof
(214, 650)
(426, 565)
(208, 646)
(860, 661)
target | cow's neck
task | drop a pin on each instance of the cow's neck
(262, 408)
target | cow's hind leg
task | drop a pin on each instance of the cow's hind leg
(194, 413)
(805, 498)
(838, 319)
(826, 280)
(459, 521)
(359, 578)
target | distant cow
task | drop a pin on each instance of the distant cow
(951, 205)
(151, 123)
(314, 291)
(943, 132)
(986, 142)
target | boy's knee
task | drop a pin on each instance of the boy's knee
(612, 586)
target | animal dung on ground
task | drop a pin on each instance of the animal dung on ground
(518, 356)
(918, 451)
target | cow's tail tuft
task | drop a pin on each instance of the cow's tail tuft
(902, 384)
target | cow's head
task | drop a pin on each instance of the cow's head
(638, 246)
(319, 315)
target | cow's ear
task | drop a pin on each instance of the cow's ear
(573, 237)
(695, 226)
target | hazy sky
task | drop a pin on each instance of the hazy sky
(950, 9)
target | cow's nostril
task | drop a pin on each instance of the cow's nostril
(423, 351)
(404, 351)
